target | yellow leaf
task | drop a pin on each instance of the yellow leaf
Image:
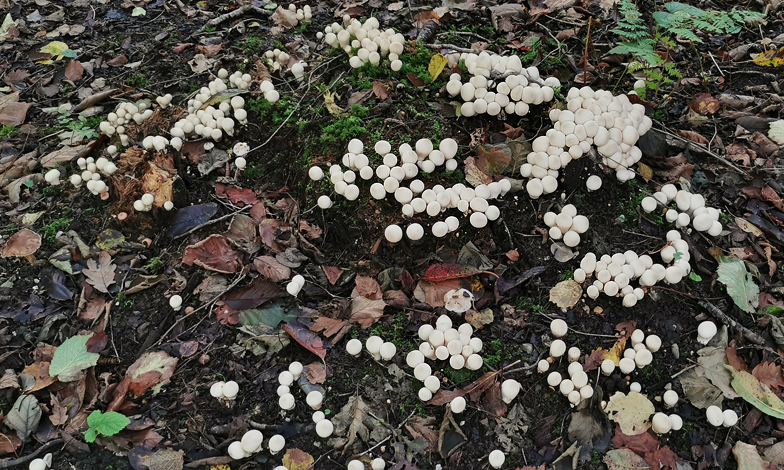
(220, 467)
(645, 171)
(566, 293)
(616, 353)
(329, 103)
(56, 48)
(437, 63)
(771, 58)
(296, 459)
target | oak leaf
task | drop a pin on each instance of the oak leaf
(100, 274)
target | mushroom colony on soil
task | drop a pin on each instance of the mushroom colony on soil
(590, 122)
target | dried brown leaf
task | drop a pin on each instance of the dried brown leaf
(100, 274)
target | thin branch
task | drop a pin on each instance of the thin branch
(724, 318)
(210, 222)
(453, 47)
(237, 13)
(22, 460)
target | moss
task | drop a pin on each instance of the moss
(275, 114)
(8, 131)
(138, 81)
(50, 230)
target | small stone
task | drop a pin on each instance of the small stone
(676, 351)
(528, 348)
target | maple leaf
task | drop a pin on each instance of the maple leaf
(101, 274)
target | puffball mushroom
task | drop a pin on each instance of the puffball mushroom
(557, 348)
(676, 422)
(354, 347)
(53, 177)
(432, 383)
(276, 443)
(286, 402)
(593, 183)
(496, 458)
(315, 173)
(236, 452)
(324, 202)
(715, 415)
(554, 379)
(706, 331)
(230, 389)
(558, 327)
(355, 465)
(626, 365)
(661, 423)
(216, 390)
(653, 343)
(251, 441)
(457, 405)
(387, 351)
(373, 345)
(670, 398)
(608, 366)
(378, 464)
(542, 366)
(730, 418)
(393, 233)
(424, 394)
(314, 399)
(324, 428)
(175, 302)
(41, 464)
(510, 388)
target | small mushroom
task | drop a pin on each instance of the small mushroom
(324, 428)
(251, 441)
(661, 423)
(276, 443)
(457, 405)
(216, 390)
(175, 302)
(387, 351)
(558, 327)
(670, 398)
(378, 464)
(230, 389)
(296, 369)
(496, 458)
(730, 418)
(510, 388)
(705, 332)
(715, 415)
(314, 399)
(236, 451)
(608, 366)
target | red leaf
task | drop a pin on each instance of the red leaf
(735, 361)
(74, 70)
(236, 195)
(329, 326)
(380, 90)
(493, 160)
(256, 293)
(445, 271)
(97, 342)
(415, 80)
(118, 61)
(214, 254)
(367, 287)
(641, 443)
(663, 458)
(333, 273)
(308, 339)
(483, 384)
(769, 374)
(179, 48)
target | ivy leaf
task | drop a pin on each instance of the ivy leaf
(740, 286)
(106, 424)
(71, 358)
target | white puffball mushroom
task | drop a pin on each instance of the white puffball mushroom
(670, 398)
(593, 183)
(393, 233)
(175, 302)
(676, 422)
(324, 202)
(251, 441)
(230, 389)
(661, 423)
(432, 383)
(378, 464)
(324, 428)
(424, 394)
(236, 452)
(608, 366)
(705, 331)
(286, 377)
(496, 458)
(730, 418)
(715, 415)
(554, 379)
(648, 204)
(543, 366)
(315, 173)
(387, 351)
(168, 205)
(635, 387)
(425, 331)
(557, 348)
(373, 345)
(558, 327)
(354, 347)
(643, 357)
(474, 361)
(626, 365)
(38, 464)
(314, 399)
(216, 390)
(653, 343)
(458, 405)
(276, 444)
(510, 388)
(286, 402)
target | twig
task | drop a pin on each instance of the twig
(212, 302)
(453, 47)
(714, 63)
(684, 370)
(381, 442)
(701, 148)
(585, 57)
(747, 333)
(21, 460)
(466, 33)
(237, 13)
(210, 222)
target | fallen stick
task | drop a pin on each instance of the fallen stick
(237, 13)
(22, 460)
(747, 333)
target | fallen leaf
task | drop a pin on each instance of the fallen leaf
(23, 243)
(295, 459)
(380, 90)
(632, 412)
(356, 420)
(770, 58)
(769, 374)
(284, 18)
(693, 136)
(624, 459)
(100, 274)
(9, 444)
(436, 66)
(699, 391)
(71, 358)
(704, 103)
(642, 443)
(64, 155)
(308, 339)
(366, 312)
(445, 271)
(161, 459)
(151, 370)
(40, 372)
(367, 287)
(74, 70)
(740, 285)
(329, 326)
(14, 114)
(24, 416)
(258, 292)
(663, 458)
(748, 458)
(317, 373)
(210, 50)
(713, 361)
(214, 254)
(756, 393)
(566, 294)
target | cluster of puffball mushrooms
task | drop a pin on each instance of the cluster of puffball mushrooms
(144, 204)
(314, 399)
(41, 463)
(125, 112)
(414, 198)
(92, 170)
(691, 209)
(592, 117)
(567, 225)
(577, 387)
(371, 43)
(278, 59)
(498, 83)
(251, 443)
(613, 274)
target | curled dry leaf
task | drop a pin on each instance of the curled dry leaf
(566, 294)
(213, 254)
(23, 243)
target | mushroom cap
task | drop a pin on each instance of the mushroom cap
(554, 379)
(566, 386)
(558, 327)
(230, 389)
(425, 331)
(415, 231)
(276, 443)
(318, 416)
(324, 428)
(543, 366)
(285, 377)
(458, 405)
(626, 365)
(373, 344)
(251, 441)
(38, 464)
(432, 383)
(282, 390)
(424, 394)
(23, 243)
(422, 371)
(314, 399)
(557, 348)
(496, 458)
(436, 338)
(643, 357)
(286, 402)
(354, 347)
(730, 418)
(474, 361)
(236, 451)
(457, 361)
(414, 358)
(715, 415)
(676, 422)
(608, 366)
(378, 464)
(355, 146)
(393, 233)
(707, 330)
(216, 390)
(510, 388)
(175, 301)
(315, 173)
(586, 392)
(653, 343)
(670, 397)
(661, 423)
(387, 351)
(324, 202)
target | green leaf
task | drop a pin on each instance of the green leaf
(94, 418)
(732, 273)
(71, 358)
(675, 7)
(756, 393)
(271, 315)
(695, 277)
(771, 310)
(69, 53)
(111, 423)
(90, 435)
